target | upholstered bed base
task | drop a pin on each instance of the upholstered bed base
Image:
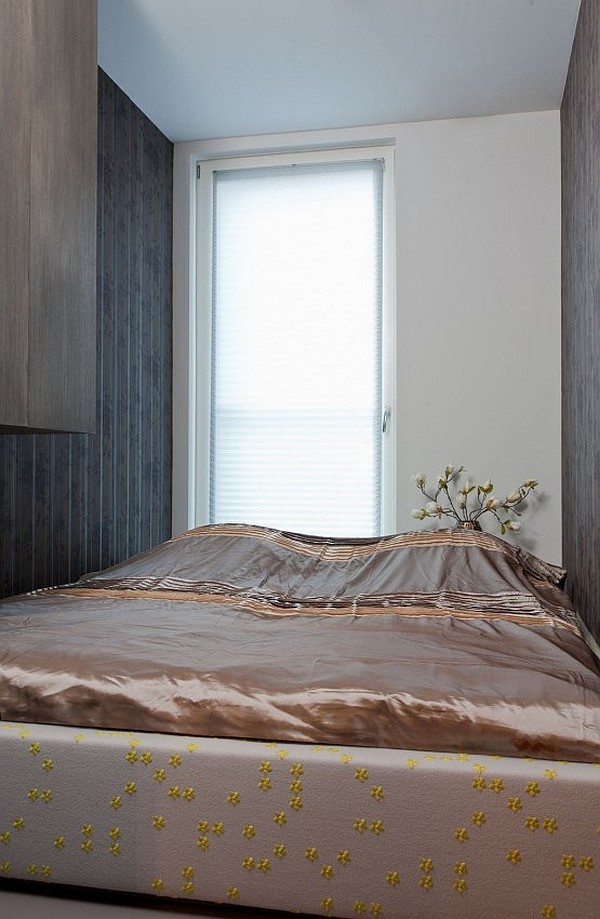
(330, 831)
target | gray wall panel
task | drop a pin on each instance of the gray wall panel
(580, 128)
(72, 503)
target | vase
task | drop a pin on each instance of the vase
(467, 525)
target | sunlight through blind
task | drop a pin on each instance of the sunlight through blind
(296, 348)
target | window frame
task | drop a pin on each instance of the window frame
(201, 319)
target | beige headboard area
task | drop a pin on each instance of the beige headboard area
(580, 114)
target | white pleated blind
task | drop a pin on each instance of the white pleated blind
(296, 348)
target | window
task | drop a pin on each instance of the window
(295, 398)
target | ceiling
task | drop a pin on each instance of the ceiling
(218, 68)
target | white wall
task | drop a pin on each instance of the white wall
(478, 290)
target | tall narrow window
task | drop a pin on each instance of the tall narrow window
(296, 404)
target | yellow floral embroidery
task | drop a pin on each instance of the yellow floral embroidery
(174, 792)
(343, 856)
(264, 865)
(478, 818)
(192, 747)
(203, 843)
(158, 885)
(296, 786)
(233, 893)
(202, 826)
(188, 794)
(5, 867)
(265, 783)
(160, 775)
(461, 834)
(283, 754)
(311, 854)
(360, 824)
(5, 837)
(187, 872)
(131, 756)
(497, 785)
(46, 872)
(175, 760)
(360, 907)
(146, 758)
(426, 865)
(34, 748)
(87, 845)
(515, 805)
(426, 882)
(116, 802)
(87, 829)
(248, 863)
(377, 827)
(33, 794)
(234, 797)
(460, 868)
(550, 773)
(218, 828)
(327, 904)
(158, 823)
(376, 909)
(361, 774)
(568, 861)
(586, 862)
(32, 869)
(19, 823)
(532, 788)
(296, 803)
(59, 842)
(265, 767)
(478, 767)
(46, 795)
(297, 769)
(115, 849)
(346, 758)
(187, 887)
(513, 856)
(130, 788)
(377, 792)
(460, 885)
(47, 765)
(479, 783)
(279, 850)
(114, 832)
(280, 818)
(248, 831)
(532, 823)
(550, 824)
(412, 763)
(567, 878)
(548, 912)
(327, 871)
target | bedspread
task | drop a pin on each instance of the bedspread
(446, 640)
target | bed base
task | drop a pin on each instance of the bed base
(320, 830)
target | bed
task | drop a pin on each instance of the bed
(405, 726)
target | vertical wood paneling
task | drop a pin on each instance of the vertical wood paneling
(72, 503)
(580, 127)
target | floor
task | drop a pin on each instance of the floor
(18, 902)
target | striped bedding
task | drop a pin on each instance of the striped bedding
(450, 639)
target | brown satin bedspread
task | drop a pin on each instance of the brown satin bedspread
(442, 641)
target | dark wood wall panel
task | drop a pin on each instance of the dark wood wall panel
(72, 503)
(580, 127)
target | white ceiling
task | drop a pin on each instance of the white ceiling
(218, 68)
